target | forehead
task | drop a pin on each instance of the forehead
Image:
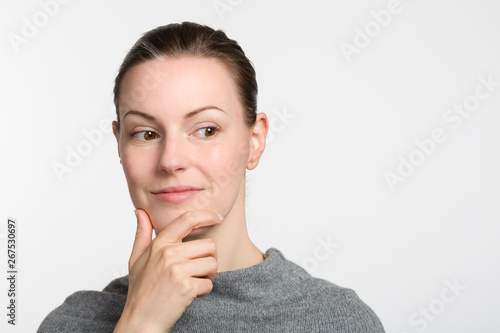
(171, 87)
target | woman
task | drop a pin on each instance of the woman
(187, 130)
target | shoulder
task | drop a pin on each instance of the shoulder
(330, 304)
(342, 307)
(88, 310)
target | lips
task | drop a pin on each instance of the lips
(178, 188)
(178, 193)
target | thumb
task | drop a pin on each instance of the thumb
(143, 236)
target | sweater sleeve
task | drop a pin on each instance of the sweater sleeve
(341, 310)
(88, 311)
(350, 314)
(328, 307)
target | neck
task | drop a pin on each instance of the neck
(235, 250)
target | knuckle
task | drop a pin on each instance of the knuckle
(209, 244)
(210, 285)
(212, 246)
(187, 217)
(186, 287)
(167, 253)
(165, 259)
(212, 261)
(155, 245)
(175, 270)
(207, 287)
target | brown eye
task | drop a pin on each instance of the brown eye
(207, 132)
(149, 135)
(145, 135)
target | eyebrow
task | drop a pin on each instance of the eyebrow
(187, 115)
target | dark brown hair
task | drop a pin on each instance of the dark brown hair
(192, 39)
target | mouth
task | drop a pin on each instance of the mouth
(177, 194)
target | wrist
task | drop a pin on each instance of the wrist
(127, 324)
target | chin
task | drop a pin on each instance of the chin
(161, 217)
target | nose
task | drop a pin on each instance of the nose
(173, 155)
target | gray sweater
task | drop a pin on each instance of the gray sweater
(275, 295)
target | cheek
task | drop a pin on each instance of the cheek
(136, 169)
(227, 157)
(225, 166)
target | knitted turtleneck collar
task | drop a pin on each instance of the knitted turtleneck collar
(274, 295)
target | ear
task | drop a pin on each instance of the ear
(258, 140)
(117, 136)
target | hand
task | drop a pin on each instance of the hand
(166, 274)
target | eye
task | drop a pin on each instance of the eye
(145, 135)
(207, 131)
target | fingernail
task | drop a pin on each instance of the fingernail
(220, 217)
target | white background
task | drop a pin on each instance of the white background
(322, 176)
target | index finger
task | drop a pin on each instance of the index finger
(185, 223)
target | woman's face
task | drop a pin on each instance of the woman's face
(181, 123)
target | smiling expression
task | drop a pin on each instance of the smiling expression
(181, 123)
